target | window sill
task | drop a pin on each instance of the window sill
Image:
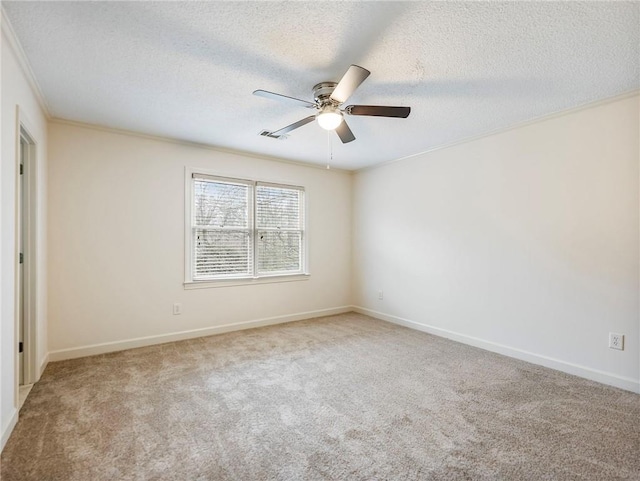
(245, 281)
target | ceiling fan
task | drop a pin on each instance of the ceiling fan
(329, 97)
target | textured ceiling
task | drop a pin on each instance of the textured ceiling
(187, 70)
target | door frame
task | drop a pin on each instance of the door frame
(24, 131)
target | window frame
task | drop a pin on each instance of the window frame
(255, 278)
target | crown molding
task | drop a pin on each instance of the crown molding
(187, 143)
(536, 120)
(16, 47)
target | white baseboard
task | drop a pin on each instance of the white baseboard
(608, 378)
(106, 347)
(8, 429)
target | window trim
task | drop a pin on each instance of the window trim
(190, 283)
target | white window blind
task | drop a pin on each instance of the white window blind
(244, 229)
(221, 229)
(279, 221)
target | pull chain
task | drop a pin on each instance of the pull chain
(329, 150)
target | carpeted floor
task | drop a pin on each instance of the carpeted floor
(342, 397)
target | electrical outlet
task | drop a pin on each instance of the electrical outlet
(177, 308)
(380, 295)
(616, 341)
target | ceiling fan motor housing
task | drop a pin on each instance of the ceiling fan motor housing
(322, 93)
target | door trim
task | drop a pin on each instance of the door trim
(30, 182)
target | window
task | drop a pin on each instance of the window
(241, 229)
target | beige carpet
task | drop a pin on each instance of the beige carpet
(342, 397)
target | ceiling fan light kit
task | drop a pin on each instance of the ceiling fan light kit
(328, 97)
(329, 118)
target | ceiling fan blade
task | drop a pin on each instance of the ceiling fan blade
(294, 126)
(378, 111)
(284, 98)
(344, 132)
(349, 83)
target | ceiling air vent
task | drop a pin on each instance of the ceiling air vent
(266, 133)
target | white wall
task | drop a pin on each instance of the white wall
(116, 241)
(524, 242)
(16, 91)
